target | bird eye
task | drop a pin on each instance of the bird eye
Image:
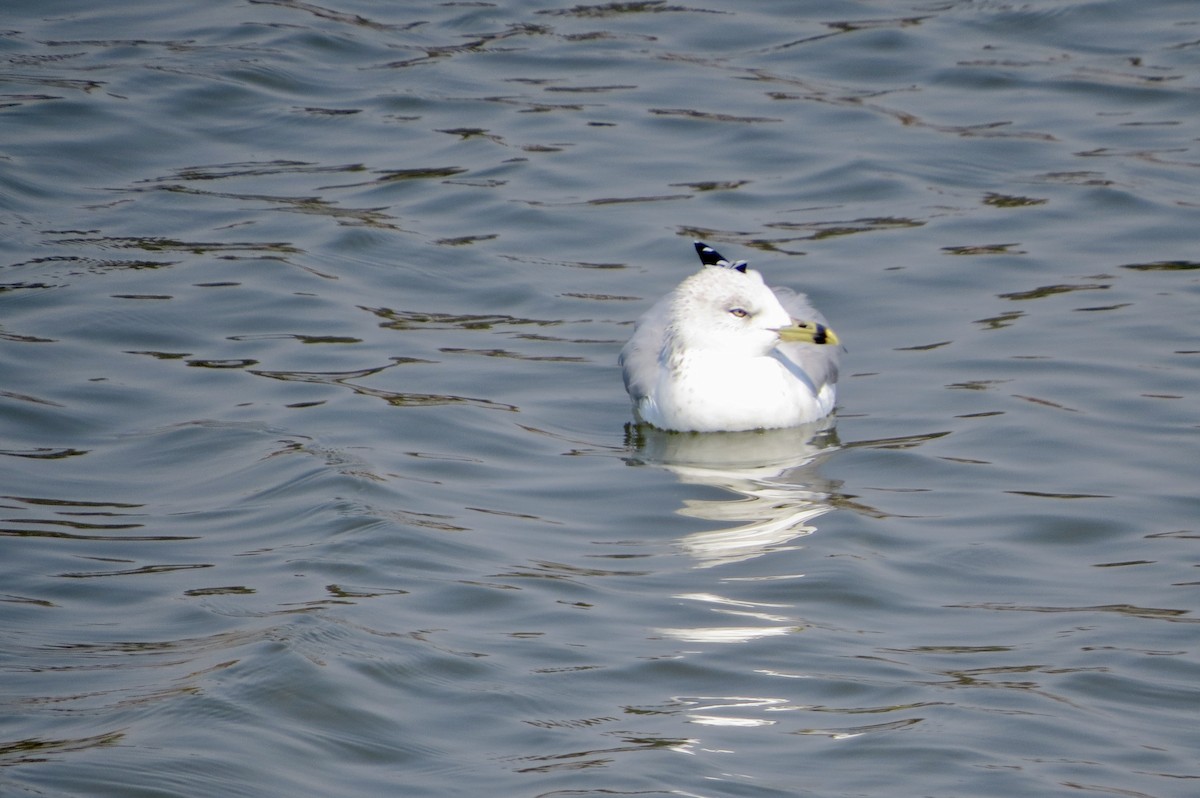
(739, 313)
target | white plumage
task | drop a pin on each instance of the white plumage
(724, 352)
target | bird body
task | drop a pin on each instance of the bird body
(724, 352)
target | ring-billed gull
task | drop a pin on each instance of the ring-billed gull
(724, 352)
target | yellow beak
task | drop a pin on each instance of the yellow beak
(809, 332)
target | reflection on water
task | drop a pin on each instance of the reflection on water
(771, 474)
(775, 493)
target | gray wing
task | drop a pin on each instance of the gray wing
(639, 357)
(820, 363)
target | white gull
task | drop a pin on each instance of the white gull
(724, 352)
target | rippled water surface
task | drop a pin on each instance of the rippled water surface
(315, 470)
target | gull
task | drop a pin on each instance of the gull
(724, 352)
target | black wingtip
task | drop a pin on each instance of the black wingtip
(710, 257)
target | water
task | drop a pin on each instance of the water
(316, 475)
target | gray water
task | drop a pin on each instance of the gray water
(316, 472)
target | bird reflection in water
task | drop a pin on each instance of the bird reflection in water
(773, 475)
